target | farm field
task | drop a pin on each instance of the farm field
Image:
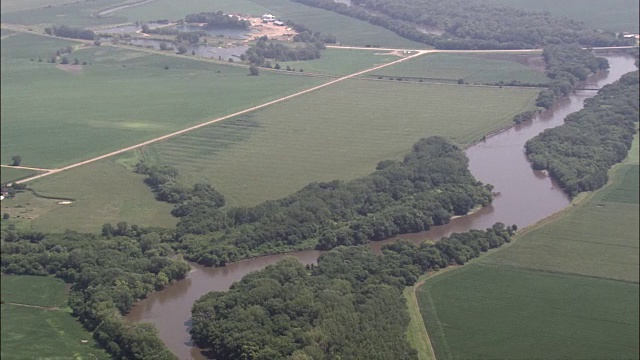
(102, 192)
(573, 279)
(472, 69)
(9, 174)
(78, 13)
(616, 15)
(278, 150)
(124, 97)
(17, 5)
(342, 62)
(31, 332)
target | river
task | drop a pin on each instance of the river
(525, 197)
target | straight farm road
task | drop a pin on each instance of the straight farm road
(245, 111)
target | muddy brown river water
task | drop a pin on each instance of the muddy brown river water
(525, 197)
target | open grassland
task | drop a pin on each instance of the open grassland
(470, 68)
(488, 312)
(53, 116)
(78, 13)
(567, 288)
(342, 62)
(615, 15)
(169, 9)
(9, 174)
(29, 332)
(102, 192)
(34, 290)
(16, 5)
(340, 132)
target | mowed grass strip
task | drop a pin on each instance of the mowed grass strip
(55, 116)
(340, 132)
(470, 68)
(488, 312)
(33, 290)
(10, 174)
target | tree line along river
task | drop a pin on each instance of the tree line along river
(524, 197)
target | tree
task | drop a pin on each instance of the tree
(5, 216)
(17, 159)
(65, 60)
(253, 70)
(182, 49)
(163, 46)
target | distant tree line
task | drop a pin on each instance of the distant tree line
(566, 66)
(470, 24)
(108, 273)
(218, 19)
(348, 306)
(273, 50)
(70, 32)
(429, 186)
(579, 153)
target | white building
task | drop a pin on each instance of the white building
(268, 18)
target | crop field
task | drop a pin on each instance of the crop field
(123, 98)
(32, 332)
(340, 132)
(573, 279)
(9, 174)
(16, 5)
(470, 68)
(102, 192)
(342, 62)
(490, 312)
(615, 15)
(78, 13)
(34, 290)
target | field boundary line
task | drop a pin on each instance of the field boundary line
(50, 308)
(24, 167)
(242, 112)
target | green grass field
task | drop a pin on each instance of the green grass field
(123, 98)
(78, 13)
(470, 68)
(37, 333)
(567, 288)
(9, 174)
(342, 62)
(340, 132)
(615, 15)
(102, 192)
(17, 5)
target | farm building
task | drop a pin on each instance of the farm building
(268, 18)
(278, 23)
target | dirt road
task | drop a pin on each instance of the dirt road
(254, 108)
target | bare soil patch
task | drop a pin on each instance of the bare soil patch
(272, 31)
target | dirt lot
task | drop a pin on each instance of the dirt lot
(272, 31)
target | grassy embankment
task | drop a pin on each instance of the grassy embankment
(36, 322)
(450, 68)
(615, 15)
(567, 288)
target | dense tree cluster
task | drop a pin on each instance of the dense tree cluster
(566, 65)
(70, 32)
(429, 186)
(469, 24)
(163, 181)
(579, 153)
(349, 306)
(216, 20)
(524, 116)
(107, 273)
(273, 50)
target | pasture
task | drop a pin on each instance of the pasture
(10, 174)
(572, 279)
(122, 98)
(615, 15)
(340, 132)
(77, 13)
(342, 62)
(470, 68)
(30, 332)
(102, 192)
